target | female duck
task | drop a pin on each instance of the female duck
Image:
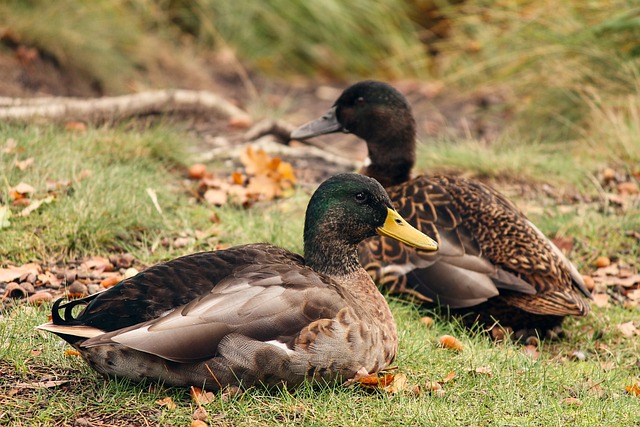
(254, 313)
(492, 261)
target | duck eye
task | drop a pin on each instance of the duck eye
(361, 197)
(360, 101)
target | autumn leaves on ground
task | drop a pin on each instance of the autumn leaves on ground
(83, 205)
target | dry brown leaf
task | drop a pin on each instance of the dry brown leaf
(11, 273)
(215, 196)
(40, 297)
(265, 186)
(24, 164)
(482, 370)
(398, 385)
(198, 423)
(200, 414)
(41, 384)
(628, 188)
(34, 205)
(628, 329)
(201, 397)
(447, 341)
(601, 300)
(428, 321)
(572, 401)
(168, 402)
(98, 263)
(24, 188)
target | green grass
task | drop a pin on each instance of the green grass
(519, 391)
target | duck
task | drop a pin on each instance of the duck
(254, 314)
(494, 267)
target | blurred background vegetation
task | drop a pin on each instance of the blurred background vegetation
(567, 65)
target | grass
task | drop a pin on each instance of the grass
(519, 391)
(572, 72)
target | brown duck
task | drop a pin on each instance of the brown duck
(252, 314)
(493, 264)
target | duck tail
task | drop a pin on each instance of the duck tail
(67, 317)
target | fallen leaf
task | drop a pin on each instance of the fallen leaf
(98, 263)
(633, 389)
(428, 321)
(450, 376)
(628, 188)
(70, 352)
(375, 381)
(11, 273)
(482, 370)
(24, 188)
(215, 196)
(447, 341)
(398, 385)
(40, 297)
(34, 205)
(572, 401)
(200, 414)
(168, 402)
(601, 300)
(628, 329)
(201, 397)
(41, 384)
(24, 164)
(198, 423)
(602, 261)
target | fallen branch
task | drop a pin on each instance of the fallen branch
(117, 107)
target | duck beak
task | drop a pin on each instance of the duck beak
(325, 124)
(397, 228)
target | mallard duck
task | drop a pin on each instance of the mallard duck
(255, 313)
(493, 264)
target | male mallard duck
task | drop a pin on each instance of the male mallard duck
(254, 313)
(492, 261)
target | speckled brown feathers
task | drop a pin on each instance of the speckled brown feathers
(492, 263)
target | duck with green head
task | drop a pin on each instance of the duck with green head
(253, 314)
(493, 264)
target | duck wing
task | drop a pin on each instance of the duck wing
(487, 248)
(165, 286)
(264, 302)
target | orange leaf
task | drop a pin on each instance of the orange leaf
(71, 353)
(374, 381)
(633, 389)
(451, 375)
(447, 341)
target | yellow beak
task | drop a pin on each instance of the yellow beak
(397, 228)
